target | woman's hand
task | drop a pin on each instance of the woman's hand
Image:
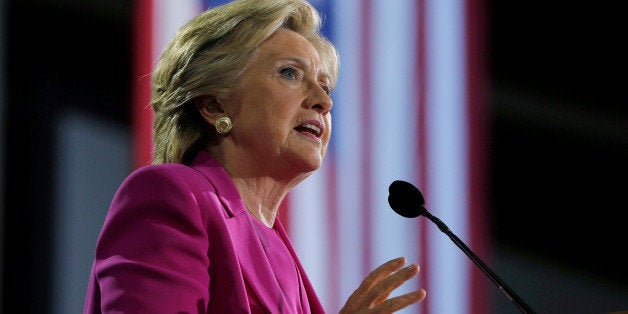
(371, 296)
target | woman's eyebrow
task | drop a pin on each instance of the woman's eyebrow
(306, 65)
(300, 61)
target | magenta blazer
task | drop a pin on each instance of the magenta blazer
(177, 239)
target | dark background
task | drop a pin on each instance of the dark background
(560, 126)
(559, 138)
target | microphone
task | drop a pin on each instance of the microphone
(406, 200)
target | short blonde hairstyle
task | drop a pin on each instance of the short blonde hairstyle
(207, 57)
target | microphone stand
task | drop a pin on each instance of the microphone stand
(525, 308)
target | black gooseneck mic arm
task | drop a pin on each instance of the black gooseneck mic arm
(406, 200)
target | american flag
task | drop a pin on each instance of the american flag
(409, 105)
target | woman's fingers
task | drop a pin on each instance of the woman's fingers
(376, 276)
(397, 303)
(373, 292)
(383, 289)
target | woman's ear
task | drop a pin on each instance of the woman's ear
(209, 108)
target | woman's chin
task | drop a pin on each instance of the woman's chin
(305, 165)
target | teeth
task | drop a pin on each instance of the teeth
(316, 129)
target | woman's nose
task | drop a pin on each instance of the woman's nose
(320, 100)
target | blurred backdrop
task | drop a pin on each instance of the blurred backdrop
(549, 113)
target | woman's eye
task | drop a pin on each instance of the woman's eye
(327, 89)
(289, 73)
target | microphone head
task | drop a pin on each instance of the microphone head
(405, 199)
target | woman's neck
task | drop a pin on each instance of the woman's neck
(262, 197)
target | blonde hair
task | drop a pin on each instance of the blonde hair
(207, 57)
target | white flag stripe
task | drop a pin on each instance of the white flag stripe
(446, 153)
(169, 15)
(393, 124)
(309, 234)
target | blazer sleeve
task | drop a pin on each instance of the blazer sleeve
(151, 256)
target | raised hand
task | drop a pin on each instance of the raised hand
(372, 295)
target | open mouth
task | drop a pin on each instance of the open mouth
(310, 127)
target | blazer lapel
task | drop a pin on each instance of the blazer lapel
(254, 263)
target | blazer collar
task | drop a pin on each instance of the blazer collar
(218, 177)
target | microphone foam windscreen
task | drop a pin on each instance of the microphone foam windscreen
(405, 199)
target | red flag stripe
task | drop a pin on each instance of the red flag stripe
(478, 146)
(421, 147)
(367, 105)
(142, 64)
